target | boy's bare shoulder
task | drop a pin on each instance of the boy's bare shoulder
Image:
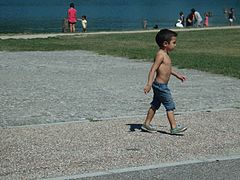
(160, 54)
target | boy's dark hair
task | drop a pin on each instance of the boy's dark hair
(164, 35)
(72, 5)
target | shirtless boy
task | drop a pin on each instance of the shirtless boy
(162, 67)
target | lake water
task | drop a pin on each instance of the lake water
(106, 15)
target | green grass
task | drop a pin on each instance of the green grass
(215, 51)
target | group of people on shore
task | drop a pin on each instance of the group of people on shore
(194, 18)
(71, 20)
(230, 15)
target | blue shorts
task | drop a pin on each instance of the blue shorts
(162, 95)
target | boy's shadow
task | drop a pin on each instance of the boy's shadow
(137, 127)
(134, 127)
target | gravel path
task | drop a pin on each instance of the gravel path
(78, 87)
(56, 150)
(50, 87)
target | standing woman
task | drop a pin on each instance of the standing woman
(72, 17)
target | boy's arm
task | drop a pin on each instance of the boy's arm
(178, 75)
(157, 62)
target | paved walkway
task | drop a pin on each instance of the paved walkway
(51, 101)
(47, 35)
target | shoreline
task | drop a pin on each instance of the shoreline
(49, 35)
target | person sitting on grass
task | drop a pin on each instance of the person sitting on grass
(162, 67)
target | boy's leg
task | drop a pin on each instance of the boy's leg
(146, 125)
(150, 115)
(175, 129)
(171, 119)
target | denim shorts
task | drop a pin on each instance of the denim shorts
(162, 95)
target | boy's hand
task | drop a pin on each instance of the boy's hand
(147, 88)
(179, 76)
(182, 78)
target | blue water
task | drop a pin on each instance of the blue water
(47, 15)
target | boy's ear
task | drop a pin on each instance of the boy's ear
(165, 43)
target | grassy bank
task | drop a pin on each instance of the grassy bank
(215, 51)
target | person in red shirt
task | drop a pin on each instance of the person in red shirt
(72, 17)
(206, 19)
